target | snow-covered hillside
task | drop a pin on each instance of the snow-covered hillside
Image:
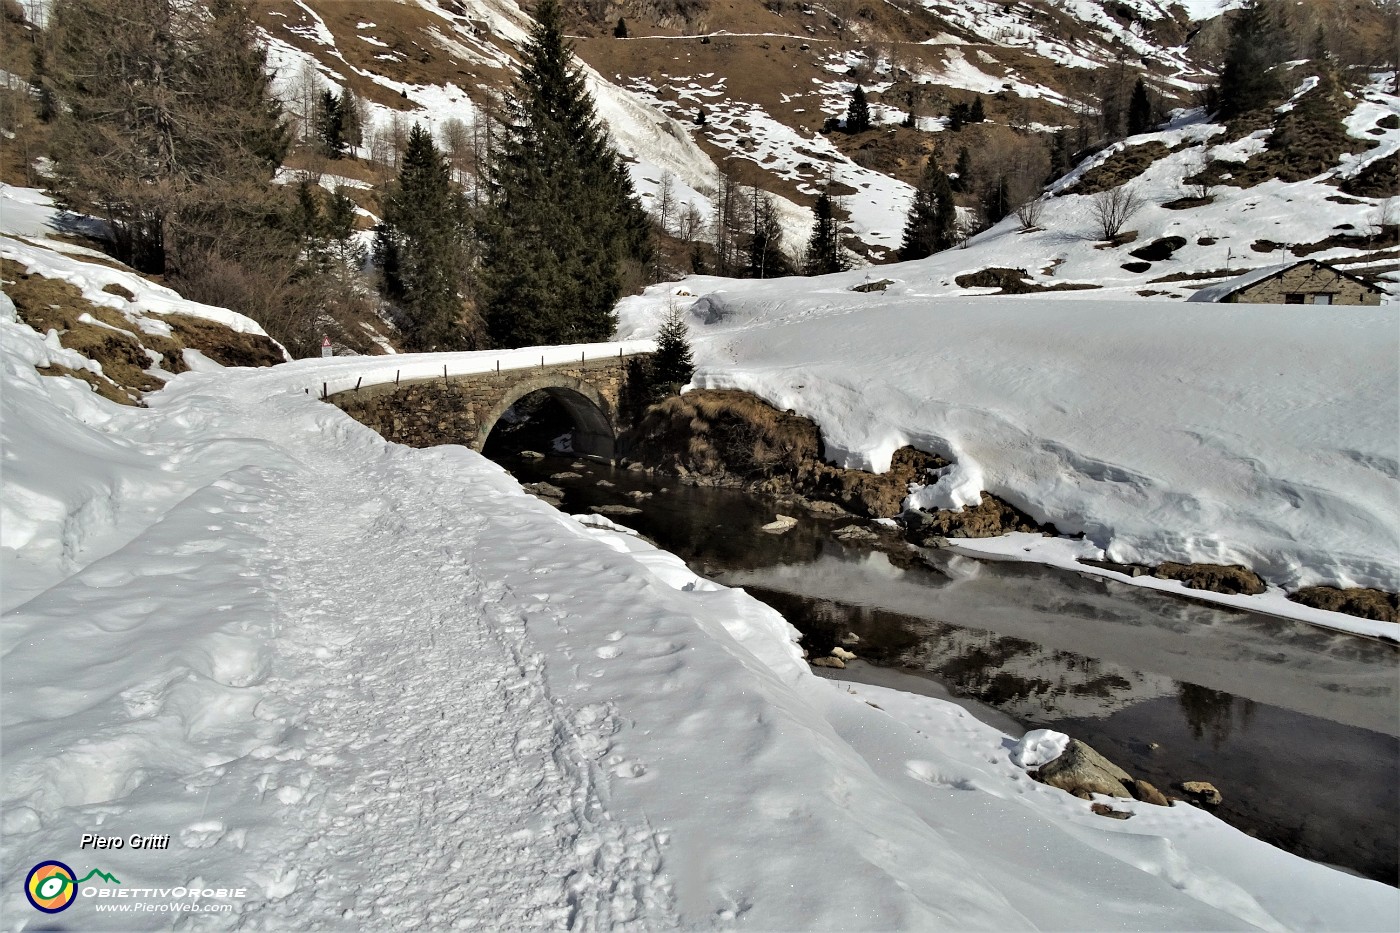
(765, 93)
(372, 686)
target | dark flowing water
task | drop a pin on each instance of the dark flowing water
(1296, 726)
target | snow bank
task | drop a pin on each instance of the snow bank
(331, 668)
(1252, 434)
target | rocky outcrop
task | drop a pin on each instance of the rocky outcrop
(1219, 578)
(989, 518)
(729, 438)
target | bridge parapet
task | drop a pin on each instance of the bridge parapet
(463, 409)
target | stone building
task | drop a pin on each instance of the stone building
(1305, 281)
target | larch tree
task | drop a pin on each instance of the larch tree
(167, 126)
(932, 223)
(563, 222)
(421, 249)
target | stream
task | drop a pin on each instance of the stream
(1296, 725)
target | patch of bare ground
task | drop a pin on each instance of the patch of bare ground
(109, 339)
(410, 54)
(1014, 282)
(1123, 166)
(1193, 276)
(221, 344)
(1307, 140)
(100, 384)
(1379, 179)
(1376, 605)
(989, 518)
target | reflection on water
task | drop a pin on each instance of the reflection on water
(1296, 725)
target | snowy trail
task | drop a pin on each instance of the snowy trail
(420, 733)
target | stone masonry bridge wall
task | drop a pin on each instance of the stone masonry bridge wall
(463, 409)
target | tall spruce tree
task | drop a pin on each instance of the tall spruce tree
(330, 124)
(857, 112)
(421, 248)
(824, 251)
(1250, 78)
(672, 365)
(1139, 110)
(932, 223)
(963, 169)
(563, 218)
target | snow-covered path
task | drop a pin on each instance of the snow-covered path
(428, 742)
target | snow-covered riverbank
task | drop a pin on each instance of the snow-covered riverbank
(383, 687)
(1263, 435)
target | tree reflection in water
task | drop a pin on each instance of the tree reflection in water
(1212, 712)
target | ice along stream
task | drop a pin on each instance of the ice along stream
(1295, 725)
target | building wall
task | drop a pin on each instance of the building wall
(1308, 280)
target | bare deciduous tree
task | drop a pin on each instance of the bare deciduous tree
(1111, 209)
(1028, 212)
(666, 201)
(457, 146)
(690, 220)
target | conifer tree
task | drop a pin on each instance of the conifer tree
(932, 223)
(620, 30)
(857, 112)
(352, 124)
(330, 124)
(824, 252)
(421, 248)
(562, 218)
(1249, 79)
(764, 257)
(976, 113)
(672, 365)
(996, 198)
(1139, 110)
(963, 168)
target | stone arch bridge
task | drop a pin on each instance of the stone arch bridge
(463, 409)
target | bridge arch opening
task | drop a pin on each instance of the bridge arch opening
(532, 415)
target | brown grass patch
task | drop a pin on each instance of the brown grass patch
(1306, 141)
(1376, 605)
(100, 384)
(112, 340)
(221, 344)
